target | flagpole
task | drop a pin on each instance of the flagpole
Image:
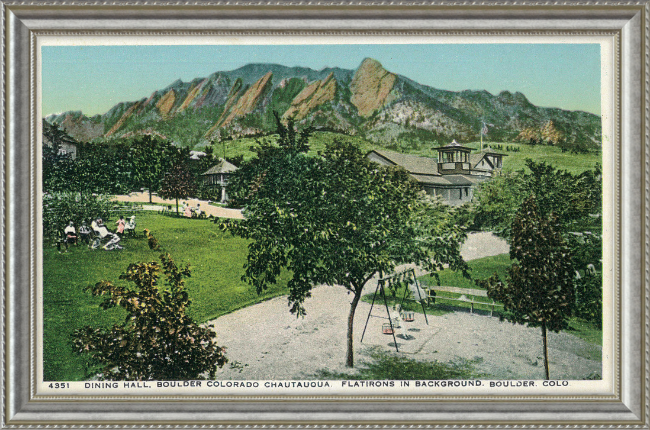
(482, 137)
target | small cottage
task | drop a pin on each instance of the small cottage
(218, 175)
(67, 146)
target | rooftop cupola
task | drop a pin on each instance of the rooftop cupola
(453, 159)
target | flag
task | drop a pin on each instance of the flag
(484, 130)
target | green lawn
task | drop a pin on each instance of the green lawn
(480, 268)
(215, 287)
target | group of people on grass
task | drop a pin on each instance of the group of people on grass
(100, 232)
(191, 212)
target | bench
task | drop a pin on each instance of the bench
(464, 293)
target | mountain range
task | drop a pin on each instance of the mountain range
(370, 101)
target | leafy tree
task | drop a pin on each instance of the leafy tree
(101, 168)
(245, 182)
(151, 158)
(539, 289)
(289, 139)
(573, 198)
(157, 340)
(178, 183)
(335, 219)
(56, 167)
(57, 136)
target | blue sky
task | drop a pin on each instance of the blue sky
(95, 78)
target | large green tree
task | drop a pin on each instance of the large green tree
(335, 219)
(151, 158)
(576, 199)
(539, 289)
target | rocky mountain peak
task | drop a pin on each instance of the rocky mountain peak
(371, 87)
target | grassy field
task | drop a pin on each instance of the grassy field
(215, 287)
(574, 163)
(480, 268)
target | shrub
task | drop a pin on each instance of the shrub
(61, 208)
(157, 340)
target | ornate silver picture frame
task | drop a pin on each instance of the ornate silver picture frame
(619, 399)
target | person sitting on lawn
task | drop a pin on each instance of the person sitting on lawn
(70, 234)
(197, 211)
(84, 233)
(130, 226)
(103, 233)
(120, 226)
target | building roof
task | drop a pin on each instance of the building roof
(446, 180)
(490, 151)
(455, 146)
(413, 164)
(476, 158)
(221, 167)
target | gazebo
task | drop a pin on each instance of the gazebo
(218, 175)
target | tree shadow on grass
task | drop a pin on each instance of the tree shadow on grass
(378, 365)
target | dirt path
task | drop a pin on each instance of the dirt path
(209, 209)
(265, 341)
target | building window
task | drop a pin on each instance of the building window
(466, 192)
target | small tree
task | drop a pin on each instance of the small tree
(157, 340)
(178, 183)
(151, 157)
(539, 290)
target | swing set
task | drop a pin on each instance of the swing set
(393, 282)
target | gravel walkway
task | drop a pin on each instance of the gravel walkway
(209, 209)
(265, 341)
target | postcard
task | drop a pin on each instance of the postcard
(414, 216)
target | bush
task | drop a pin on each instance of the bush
(157, 340)
(208, 192)
(61, 208)
(586, 248)
(589, 298)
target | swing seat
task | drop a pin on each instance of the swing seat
(408, 316)
(387, 329)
